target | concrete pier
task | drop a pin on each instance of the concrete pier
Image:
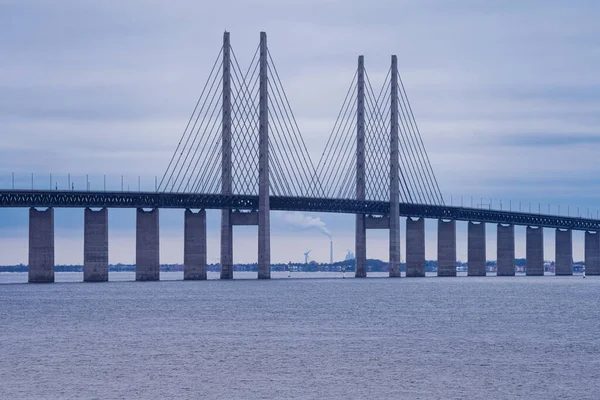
(95, 245)
(535, 251)
(226, 259)
(147, 260)
(505, 260)
(592, 253)
(395, 179)
(415, 247)
(360, 246)
(564, 252)
(360, 239)
(476, 249)
(194, 245)
(446, 248)
(41, 246)
(264, 225)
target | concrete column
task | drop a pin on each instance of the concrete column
(264, 227)
(564, 252)
(226, 245)
(415, 247)
(446, 248)
(395, 186)
(147, 260)
(360, 248)
(592, 253)
(226, 176)
(41, 246)
(194, 245)
(535, 251)
(476, 249)
(95, 245)
(505, 261)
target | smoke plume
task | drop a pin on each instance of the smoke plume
(302, 221)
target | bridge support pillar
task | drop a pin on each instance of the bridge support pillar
(264, 226)
(394, 263)
(592, 253)
(395, 191)
(226, 245)
(415, 247)
(505, 260)
(564, 252)
(41, 246)
(95, 245)
(147, 260)
(446, 248)
(226, 173)
(360, 247)
(534, 251)
(194, 245)
(476, 249)
(360, 238)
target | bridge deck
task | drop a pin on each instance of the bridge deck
(81, 199)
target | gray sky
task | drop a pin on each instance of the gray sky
(506, 96)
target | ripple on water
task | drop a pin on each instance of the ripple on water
(476, 338)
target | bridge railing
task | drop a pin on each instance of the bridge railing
(143, 192)
(81, 199)
(77, 182)
(528, 207)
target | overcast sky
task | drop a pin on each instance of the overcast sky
(506, 95)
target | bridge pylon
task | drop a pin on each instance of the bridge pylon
(243, 139)
(394, 174)
(226, 258)
(392, 220)
(262, 214)
(375, 152)
(360, 238)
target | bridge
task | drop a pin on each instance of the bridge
(242, 152)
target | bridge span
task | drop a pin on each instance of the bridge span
(242, 152)
(244, 211)
(102, 199)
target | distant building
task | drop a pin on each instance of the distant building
(349, 256)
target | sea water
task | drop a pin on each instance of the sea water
(374, 338)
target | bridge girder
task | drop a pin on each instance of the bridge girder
(82, 199)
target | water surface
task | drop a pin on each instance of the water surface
(419, 338)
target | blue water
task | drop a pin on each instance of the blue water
(419, 338)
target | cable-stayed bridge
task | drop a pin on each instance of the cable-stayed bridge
(242, 152)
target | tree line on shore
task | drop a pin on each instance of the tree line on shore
(347, 265)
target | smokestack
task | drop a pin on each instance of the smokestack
(331, 252)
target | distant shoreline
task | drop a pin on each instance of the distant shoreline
(373, 265)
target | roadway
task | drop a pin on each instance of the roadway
(82, 199)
